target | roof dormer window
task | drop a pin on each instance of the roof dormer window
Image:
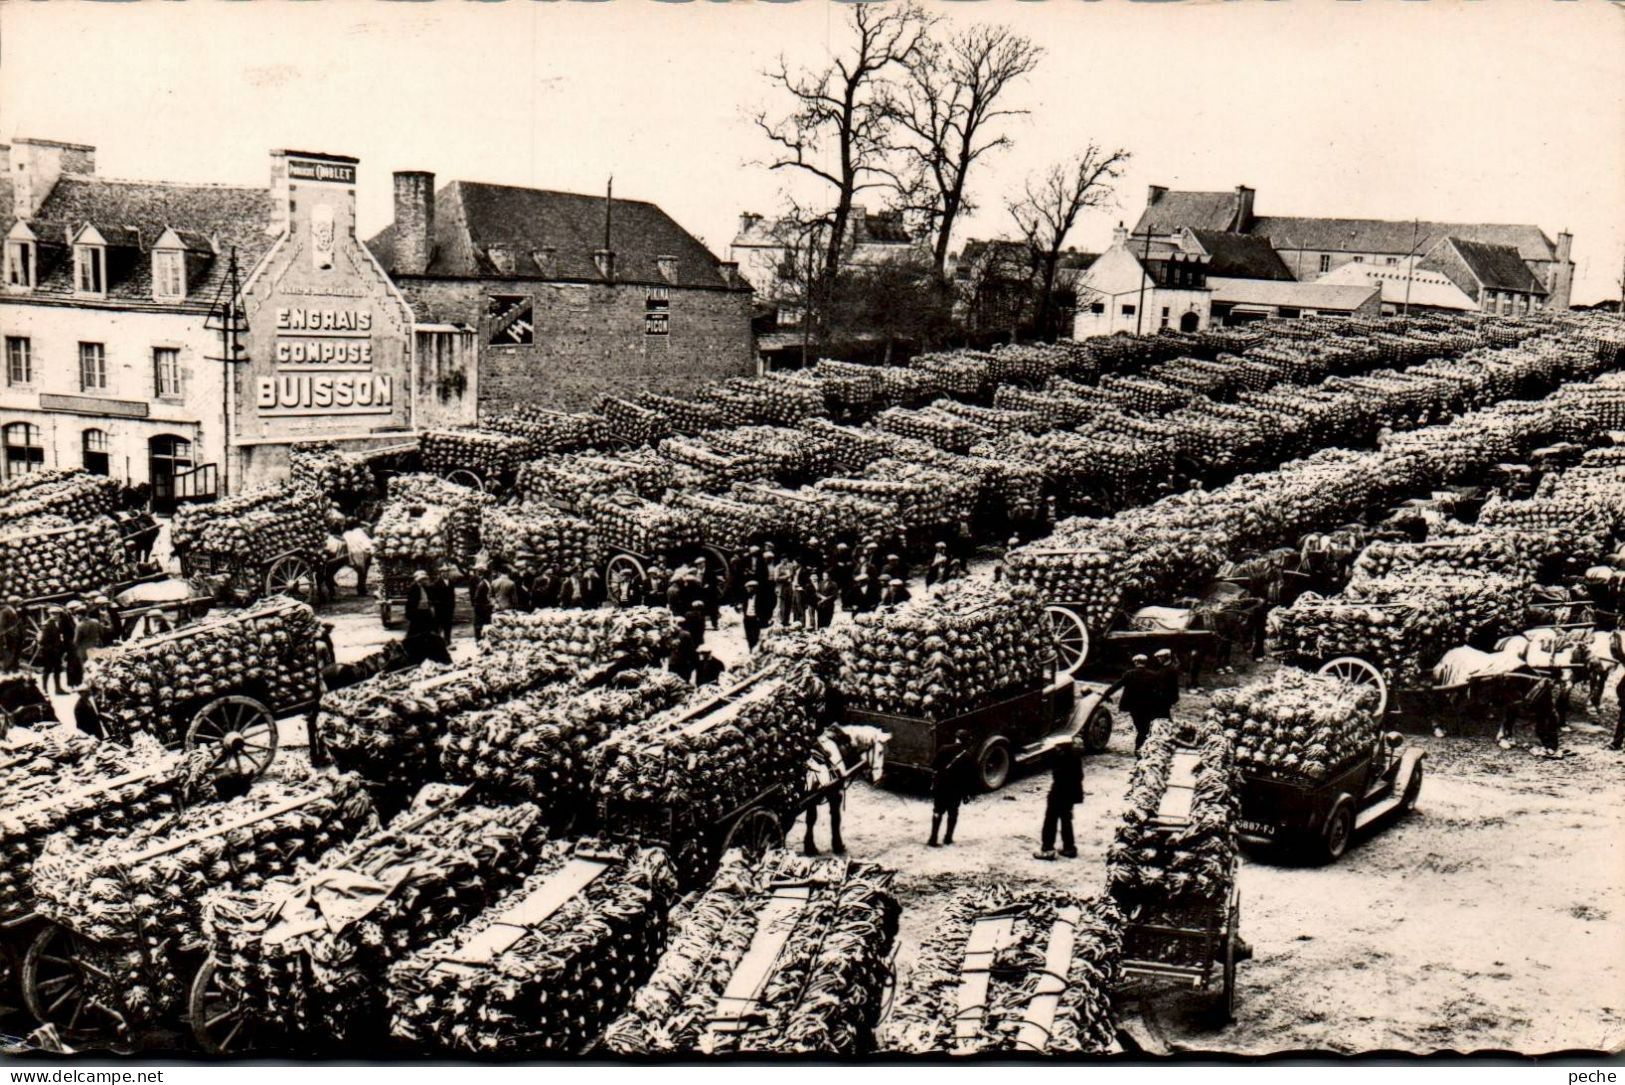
(168, 274)
(21, 264)
(90, 269)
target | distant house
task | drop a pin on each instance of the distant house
(1405, 288)
(1143, 286)
(1311, 247)
(1494, 276)
(568, 297)
(995, 283)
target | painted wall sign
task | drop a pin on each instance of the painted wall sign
(326, 393)
(303, 169)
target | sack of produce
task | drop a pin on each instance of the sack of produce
(529, 539)
(158, 683)
(1295, 725)
(137, 898)
(1044, 985)
(539, 748)
(675, 775)
(948, 653)
(304, 957)
(825, 927)
(544, 969)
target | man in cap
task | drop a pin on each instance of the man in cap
(481, 600)
(1065, 760)
(444, 599)
(1140, 695)
(707, 669)
(950, 783)
(896, 593)
(419, 605)
(1167, 669)
(937, 571)
(999, 572)
(88, 632)
(750, 613)
(894, 569)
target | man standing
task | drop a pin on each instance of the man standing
(1167, 670)
(503, 590)
(1065, 792)
(896, 593)
(1140, 695)
(707, 668)
(87, 638)
(11, 633)
(419, 605)
(949, 784)
(750, 614)
(443, 597)
(825, 594)
(358, 544)
(937, 571)
(480, 600)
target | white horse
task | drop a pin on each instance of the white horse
(841, 752)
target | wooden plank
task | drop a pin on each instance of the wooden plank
(988, 935)
(535, 909)
(774, 924)
(1040, 1015)
(1180, 793)
(218, 830)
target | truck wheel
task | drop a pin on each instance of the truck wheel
(1334, 839)
(993, 763)
(1097, 733)
(1412, 789)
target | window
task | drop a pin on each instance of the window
(19, 360)
(92, 367)
(23, 450)
(1128, 310)
(1097, 307)
(1325, 262)
(1165, 316)
(90, 269)
(20, 264)
(1359, 259)
(169, 274)
(94, 444)
(166, 372)
(510, 320)
(1390, 260)
(1288, 313)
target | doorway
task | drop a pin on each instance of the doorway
(167, 457)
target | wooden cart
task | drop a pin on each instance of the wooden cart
(1195, 943)
(241, 581)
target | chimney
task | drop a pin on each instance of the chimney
(34, 166)
(414, 221)
(730, 271)
(748, 221)
(1120, 235)
(1565, 247)
(1244, 209)
(605, 259)
(1154, 195)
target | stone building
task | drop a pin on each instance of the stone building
(123, 301)
(562, 298)
(1311, 247)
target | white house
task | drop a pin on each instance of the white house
(1143, 286)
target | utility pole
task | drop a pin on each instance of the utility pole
(609, 211)
(1410, 272)
(1145, 272)
(227, 316)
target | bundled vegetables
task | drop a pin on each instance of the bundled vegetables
(717, 467)
(948, 653)
(569, 481)
(305, 955)
(492, 456)
(628, 522)
(1400, 638)
(1295, 725)
(73, 495)
(819, 513)
(529, 539)
(825, 929)
(154, 684)
(538, 748)
(588, 636)
(683, 415)
(416, 535)
(943, 429)
(1089, 580)
(1044, 987)
(551, 431)
(252, 528)
(137, 898)
(730, 524)
(547, 967)
(636, 423)
(672, 776)
(49, 555)
(322, 467)
(744, 400)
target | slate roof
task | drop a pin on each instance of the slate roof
(1498, 267)
(1198, 210)
(133, 215)
(1240, 256)
(471, 217)
(1421, 287)
(1381, 235)
(1292, 294)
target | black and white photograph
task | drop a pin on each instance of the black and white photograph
(881, 533)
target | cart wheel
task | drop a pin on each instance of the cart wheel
(1097, 733)
(462, 476)
(1358, 672)
(719, 561)
(291, 575)
(1071, 638)
(1334, 840)
(1413, 790)
(55, 988)
(244, 731)
(631, 565)
(218, 1020)
(33, 622)
(755, 832)
(993, 763)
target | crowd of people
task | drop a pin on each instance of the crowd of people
(69, 635)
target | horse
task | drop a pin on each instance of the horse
(841, 752)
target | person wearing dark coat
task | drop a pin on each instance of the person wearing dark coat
(480, 600)
(592, 587)
(684, 658)
(1167, 669)
(444, 599)
(854, 594)
(56, 635)
(950, 783)
(894, 569)
(707, 668)
(694, 623)
(750, 613)
(896, 594)
(420, 616)
(937, 571)
(825, 595)
(1065, 791)
(11, 633)
(767, 589)
(1141, 696)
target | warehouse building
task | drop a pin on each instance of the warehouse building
(123, 301)
(562, 298)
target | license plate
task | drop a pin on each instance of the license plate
(1256, 828)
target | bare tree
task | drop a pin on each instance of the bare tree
(839, 130)
(1050, 205)
(952, 100)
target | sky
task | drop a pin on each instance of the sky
(1455, 110)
